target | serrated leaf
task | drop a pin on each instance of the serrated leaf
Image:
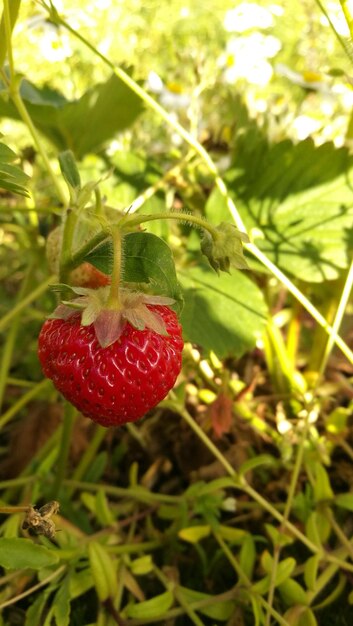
(151, 609)
(147, 259)
(298, 196)
(103, 571)
(225, 314)
(12, 178)
(194, 534)
(83, 125)
(18, 553)
(221, 611)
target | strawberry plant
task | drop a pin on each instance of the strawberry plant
(175, 245)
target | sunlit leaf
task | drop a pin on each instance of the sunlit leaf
(224, 313)
(18, 553)
(298, 196)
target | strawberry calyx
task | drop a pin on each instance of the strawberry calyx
(135, 308)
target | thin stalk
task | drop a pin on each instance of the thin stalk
(136, 493)
(241, 484)
(170, 585)
(244, 580)
(35, 588)
(175, 215)
(27, 397)
(346, 45)
(286, 514)
(10, 341)
(341, 309)
(67, 243)
(26, 301)
(11, 16)
(338, 532)
(199, 149)
(64, 448)
(113, 301)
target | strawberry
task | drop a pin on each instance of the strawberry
(118, 383)
(85, 275)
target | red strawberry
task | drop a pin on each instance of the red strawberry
(115, 384)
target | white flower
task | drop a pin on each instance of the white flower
(171, 96)
(245, 16)
(304, 126)
(154, 83)
(246, 57)
(54, 45)
(308, 80)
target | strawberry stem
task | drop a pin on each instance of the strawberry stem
(175, 215)
(113, 301)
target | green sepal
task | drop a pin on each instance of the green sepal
(225, 250)
(69, 170)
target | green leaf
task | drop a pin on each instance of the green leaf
(247, 555)
(12, 178)
(225, 314)
(80, 582)
(257, 461)
(103, 571)
(292, 592)
(69, 169)
(345, 501)
(322, 487)
(62, 603)
(194, 534)
(147, 259)
(233, 535)
(34, 612)
(278, 538)
(311, 571)
(300, 616)
(318, 528)
(142, 566)
(82, 125)
(219, 610)
(299, 199)
(18, 553)
(284, 571)
(151, 609)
